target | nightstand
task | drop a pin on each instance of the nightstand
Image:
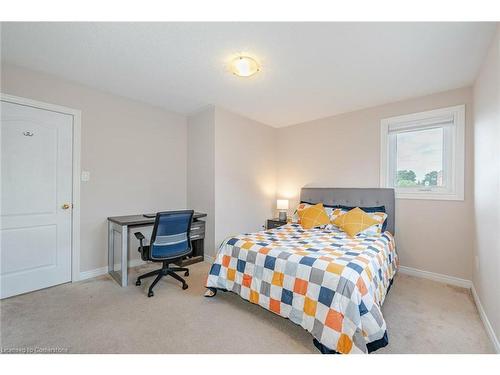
(274, 223)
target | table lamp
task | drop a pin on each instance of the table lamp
(282, 206)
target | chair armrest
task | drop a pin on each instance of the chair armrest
(141, 238)
(141, 248)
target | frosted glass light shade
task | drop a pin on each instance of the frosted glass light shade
(282, 204)
(244, 66)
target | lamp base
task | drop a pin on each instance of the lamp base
(282, 216)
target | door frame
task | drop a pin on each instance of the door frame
(76, 170)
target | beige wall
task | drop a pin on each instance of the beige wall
(245, 174)
(201, 170)
(231, 173)
(487, 184)
(136, 154)
(344, 151)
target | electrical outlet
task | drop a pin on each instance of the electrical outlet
(85, 176)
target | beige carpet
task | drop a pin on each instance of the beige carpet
(97, 316)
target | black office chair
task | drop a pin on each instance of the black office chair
(170, 242)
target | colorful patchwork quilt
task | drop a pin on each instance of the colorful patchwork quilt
(328, 283)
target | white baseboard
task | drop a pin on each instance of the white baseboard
(486, 322)
(451, 280)
(84, 275)
(133, 263)
(104, 270)
(209, 259)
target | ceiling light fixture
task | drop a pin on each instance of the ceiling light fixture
(244, 66)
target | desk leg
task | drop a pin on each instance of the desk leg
(121, 275)
(124, 258)
(111, 248)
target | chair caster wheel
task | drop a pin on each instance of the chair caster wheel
(186, 273)
(150, 294)
(184, 286)
(138, 283)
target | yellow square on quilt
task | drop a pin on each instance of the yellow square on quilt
(313, 216)
(231, 273)
(354, 221)
(335, 268)
(247, 245)
(278, 278)
(310, 306)
(254, 296)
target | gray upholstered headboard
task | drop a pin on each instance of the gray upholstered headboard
(360, 197)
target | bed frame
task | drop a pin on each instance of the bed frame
(355, 197)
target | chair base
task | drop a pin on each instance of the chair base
(164, 271)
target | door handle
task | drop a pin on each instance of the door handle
(66, 206)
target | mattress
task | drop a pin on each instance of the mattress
(331, 285)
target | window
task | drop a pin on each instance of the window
(422, 154)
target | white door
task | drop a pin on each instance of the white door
(36, 151)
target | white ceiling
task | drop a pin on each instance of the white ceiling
(310, 70)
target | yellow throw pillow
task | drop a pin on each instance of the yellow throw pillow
(313, 216)
(354, 221)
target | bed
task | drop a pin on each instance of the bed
(321, 279)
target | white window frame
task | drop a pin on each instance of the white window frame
(453, 155)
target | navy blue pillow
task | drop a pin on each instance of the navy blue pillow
(324, 205)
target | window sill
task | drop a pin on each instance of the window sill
(430, 196)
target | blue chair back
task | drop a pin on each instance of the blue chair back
(170, 238)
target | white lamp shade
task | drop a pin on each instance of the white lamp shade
(282, 204)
